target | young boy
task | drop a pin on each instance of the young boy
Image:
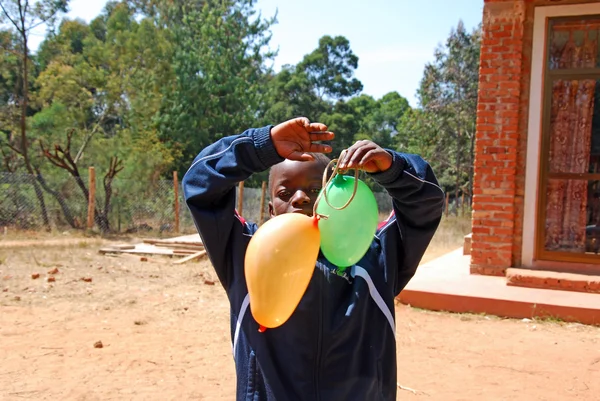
(339, 344)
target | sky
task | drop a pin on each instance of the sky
(393, 39)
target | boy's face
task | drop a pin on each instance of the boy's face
(295, 187)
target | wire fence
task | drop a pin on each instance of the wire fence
(126, 206)
(61, 203)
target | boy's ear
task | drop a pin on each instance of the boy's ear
(271, 210)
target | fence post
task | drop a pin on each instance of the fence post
(241, 199)
(176, 205)
(462, 203)
(92, 198)
(118, 202)
(447, 202)
(262, 202)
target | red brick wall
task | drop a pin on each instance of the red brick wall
(498, 137)
(501, 138)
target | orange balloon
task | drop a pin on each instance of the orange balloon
(279, 263)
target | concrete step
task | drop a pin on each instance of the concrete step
(553, 280)
(445, 284)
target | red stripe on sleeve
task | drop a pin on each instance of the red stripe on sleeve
(383, 223)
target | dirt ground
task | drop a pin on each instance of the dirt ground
(165, 336)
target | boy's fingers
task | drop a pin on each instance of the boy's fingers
(357, 155)
(303, 121)
(300, 156)
(306, 157)
(350, 152)
(318, 148)
(317, 127)
(322, 136)
(370, 155)
(363, 149)
(343, 162)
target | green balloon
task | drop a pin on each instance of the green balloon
(346, 234)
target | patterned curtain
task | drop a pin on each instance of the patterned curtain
(570, 142)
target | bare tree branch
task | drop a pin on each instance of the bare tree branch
(62, 157)
(22, 17)
(11, 51)
(88, 138)
(42, 22)
(9, 17)
(7, 159)
(12, 147)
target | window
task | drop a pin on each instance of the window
(569, 208)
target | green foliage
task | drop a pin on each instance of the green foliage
(219, 66)
(448, 98)
(107, 91)
(290, 94)
(9, 97)
(330, 68)
(148, 83)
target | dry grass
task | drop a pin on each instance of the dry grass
(11, 234)
(448, 237)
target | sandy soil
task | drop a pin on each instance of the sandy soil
(165, 336)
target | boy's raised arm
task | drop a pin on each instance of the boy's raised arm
(417, 200)
(209, 188)
(418, 206)
(209, 185)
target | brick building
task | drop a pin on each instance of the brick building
(536, 198)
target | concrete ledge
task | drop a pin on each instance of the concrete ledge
(467, 244)
(488, 271)
(445, 284)
(553, 280)
(498, 307)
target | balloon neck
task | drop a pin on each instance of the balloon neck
(261, 328)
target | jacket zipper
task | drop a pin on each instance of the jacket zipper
(317, 374)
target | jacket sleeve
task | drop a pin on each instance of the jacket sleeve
(418, 206)
(209, 191)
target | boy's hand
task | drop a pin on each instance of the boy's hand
(367, 156)
(294, 139)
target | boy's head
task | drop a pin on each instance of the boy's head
(294, 186)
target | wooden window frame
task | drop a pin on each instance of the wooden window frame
(551, 75)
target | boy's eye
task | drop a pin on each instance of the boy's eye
(315, 190)
(283, 194)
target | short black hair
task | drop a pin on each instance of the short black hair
(318, 158)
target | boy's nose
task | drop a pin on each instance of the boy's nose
(300, 198)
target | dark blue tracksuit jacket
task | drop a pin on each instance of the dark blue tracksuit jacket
(339, 344)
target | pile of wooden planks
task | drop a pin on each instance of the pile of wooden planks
(189, 247)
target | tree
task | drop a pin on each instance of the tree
(420, 132)
(9, 97)
(345, 123)
(323, 87)
(219, 56)
(379, 118)
(330, 69)
(22, 16)
(290, 94)
(448, 97)
(97, 95)
(392, 107)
